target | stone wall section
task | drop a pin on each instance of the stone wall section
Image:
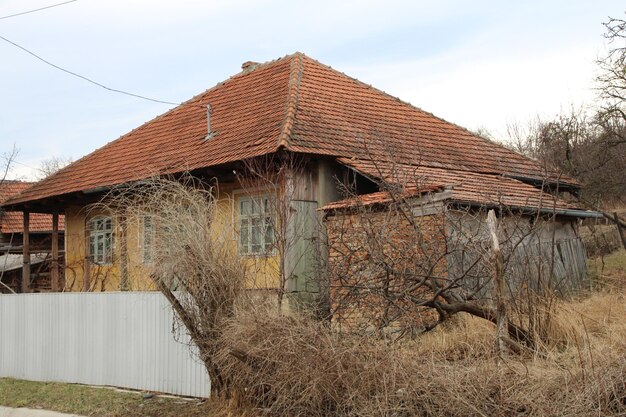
(376, 258)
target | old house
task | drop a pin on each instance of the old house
(40, 237)
(344, 133)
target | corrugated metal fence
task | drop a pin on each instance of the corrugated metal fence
(119, 339)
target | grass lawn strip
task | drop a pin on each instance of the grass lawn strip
(92, 401)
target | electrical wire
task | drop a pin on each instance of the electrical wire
(85, 78)
(36, 10)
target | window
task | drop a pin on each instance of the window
(148, 239)
(256, 225)
(101, 240)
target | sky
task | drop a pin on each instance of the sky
(480, 64)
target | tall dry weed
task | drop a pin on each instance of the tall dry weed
(296, 366)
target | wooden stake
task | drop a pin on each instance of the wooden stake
(498, 285)
(26, 253)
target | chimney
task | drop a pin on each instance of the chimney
(249, 66)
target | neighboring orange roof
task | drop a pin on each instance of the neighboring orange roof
(470, 187)
(293, 103)
(9, 188)
(13, 221)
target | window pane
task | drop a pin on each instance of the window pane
(256, 206)
(244, 208)
(255, 235)
(269, 235)
(243, 236)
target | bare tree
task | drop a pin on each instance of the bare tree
(612, 82)
(51, 165)
(578, 146)
(409, 262)
(7, 160)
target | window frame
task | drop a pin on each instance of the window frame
(264, 217)
(99, 233)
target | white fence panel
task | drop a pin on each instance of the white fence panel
(120, 339)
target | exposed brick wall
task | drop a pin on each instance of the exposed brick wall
(376, 259)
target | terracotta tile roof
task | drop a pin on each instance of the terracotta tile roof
(13, 221)
(469, 187)
(380, 197)
(293, 103)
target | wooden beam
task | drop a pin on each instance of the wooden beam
(54, 272)
(26, 253)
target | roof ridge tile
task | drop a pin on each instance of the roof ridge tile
(296, 69)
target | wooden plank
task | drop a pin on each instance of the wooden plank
(54, 272)
(26, 252)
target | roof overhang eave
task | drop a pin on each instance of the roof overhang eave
(577, 213)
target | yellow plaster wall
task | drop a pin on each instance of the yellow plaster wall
(263, 271)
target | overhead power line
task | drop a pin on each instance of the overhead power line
(85, 78)
(36, 10)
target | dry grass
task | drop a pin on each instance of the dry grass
(609, 272)
(296, 366)
(601, 239)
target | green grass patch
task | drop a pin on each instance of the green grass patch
(91, 401)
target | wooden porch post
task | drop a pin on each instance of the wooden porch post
(54, 272)
(26, 253)
(87, 261)
(124, 279)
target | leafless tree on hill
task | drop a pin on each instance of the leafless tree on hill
(7, 160)
(612, 82)
(51, 165)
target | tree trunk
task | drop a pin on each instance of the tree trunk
(218, 384)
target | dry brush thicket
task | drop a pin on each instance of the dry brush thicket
(296, 366)
(277, 363)
(193, 263)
